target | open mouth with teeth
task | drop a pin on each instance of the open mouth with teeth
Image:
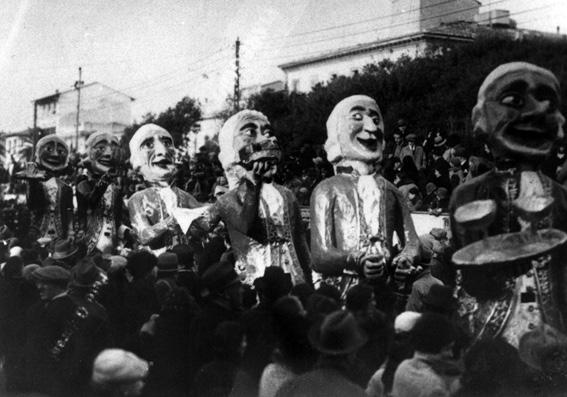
(164, 164)
(105, 161)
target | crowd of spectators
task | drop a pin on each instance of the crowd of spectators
(182, 324)
(426, 168)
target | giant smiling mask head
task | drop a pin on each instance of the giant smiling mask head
(244, 138)
(104, 152)
(518, 109)
(52, 153)
(355, 131)
(152, 153)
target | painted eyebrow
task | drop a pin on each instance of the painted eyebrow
(358, 108)
(247, 125)
(515, 86)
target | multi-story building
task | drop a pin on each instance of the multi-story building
(101, 109)
(410, 28)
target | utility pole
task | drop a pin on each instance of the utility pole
(237, 79)
(78, 84)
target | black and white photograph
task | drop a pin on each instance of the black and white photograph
(283, 198)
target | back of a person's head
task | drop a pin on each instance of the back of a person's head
(318, 306)
(227, 340)
(329, 291)
(184, 255)
(491, 365)
(303, 291)
(291, 329)
(431, 333)
(141, 263)
(359, 297)
(13, 268)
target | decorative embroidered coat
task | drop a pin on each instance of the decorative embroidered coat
(149, 215)
(260, 238)
(99, 203)
(51, 206)
(339, 227)
(526, 301)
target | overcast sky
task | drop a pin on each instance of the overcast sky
(160, 50)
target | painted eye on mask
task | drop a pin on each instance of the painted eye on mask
(376, 120)
(512, 100)
(148, 144)
(357, 116)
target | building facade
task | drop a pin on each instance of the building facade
(101, 109)
(411, 28)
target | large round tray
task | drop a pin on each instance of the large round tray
(508, 249)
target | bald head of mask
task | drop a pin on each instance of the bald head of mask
(518, 111)
(52, 153)
(355, 131)
(152, 153)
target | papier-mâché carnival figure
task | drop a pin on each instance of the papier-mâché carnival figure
(99, 198)
(355, 213)
(523, 211)
(151, 210)
(275, 236)
(49, 199)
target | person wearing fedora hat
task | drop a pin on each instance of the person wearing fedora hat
(49, 198)
(99, 197)
(337, 339)
(65, 252)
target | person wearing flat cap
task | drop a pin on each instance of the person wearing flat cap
(415, 151)
(51, 282)
(337, 339)
(117, 372)
(167, 267)
(70, 332)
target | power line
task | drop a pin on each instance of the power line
(320, 51)
(370, 30)
(357, 22)
(160, 79)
